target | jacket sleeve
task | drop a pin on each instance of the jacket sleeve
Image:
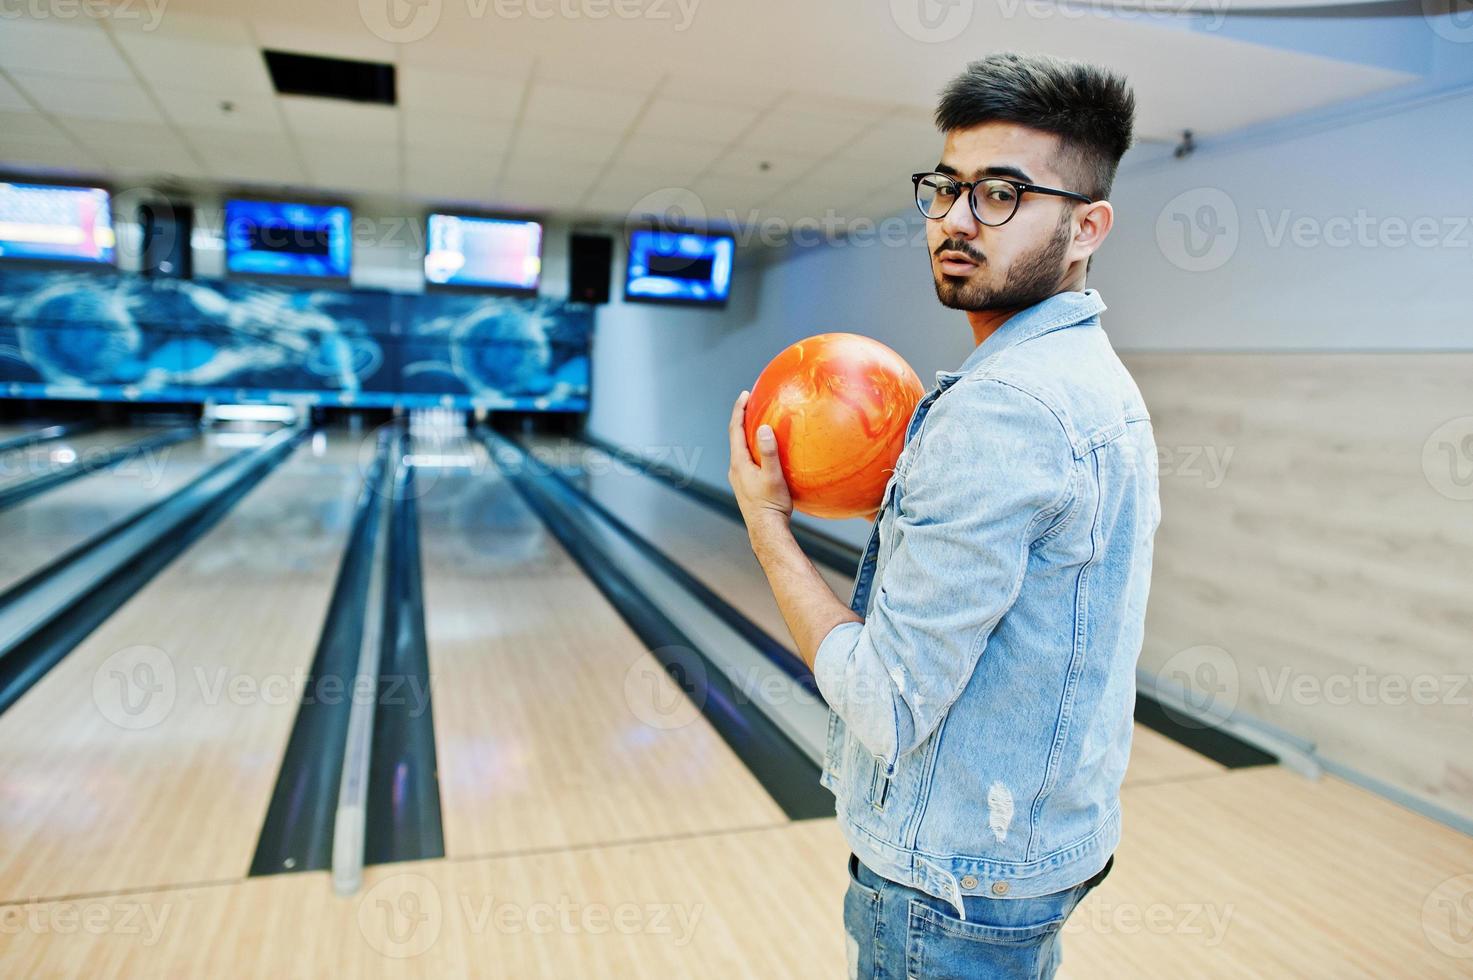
(992, 467)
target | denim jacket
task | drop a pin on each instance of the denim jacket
(981, 715)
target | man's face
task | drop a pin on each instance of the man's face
(1013, 265)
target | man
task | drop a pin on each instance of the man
(982, 680)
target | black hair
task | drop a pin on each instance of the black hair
(1090, 109)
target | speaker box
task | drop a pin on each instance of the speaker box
(590, 260)
(166, 230)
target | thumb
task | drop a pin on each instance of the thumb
(766, 444)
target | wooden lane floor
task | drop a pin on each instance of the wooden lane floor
(44, 458)
(147, 756)
(550, 714)
(711, 547)
(35, 531)
(1251, 872)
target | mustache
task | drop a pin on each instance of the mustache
(954, 245)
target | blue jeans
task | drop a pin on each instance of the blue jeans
(895, 932)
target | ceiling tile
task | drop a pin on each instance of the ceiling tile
(649, 151)
(613, 74)
(444, 130)
(88, 97)
(746, 162)
(251, 159)
(556, 146)
(461, 93)
(694, 120)
(701, 88)
(352, 165)
(46, 153)
(196, 109)
(905, 144)
(171, 159)
(157, 18)
(313, 119)
(29, 126)
(581, 106)
(290, 35)
(474, 52)
(439, 178)
(11, 99)
(803, 132)
(228, 69)
(636, 183)
(105, 132)
(73, 48)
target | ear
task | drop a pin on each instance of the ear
(1094, 222)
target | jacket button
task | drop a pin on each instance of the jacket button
(999, 888)
(970, 881)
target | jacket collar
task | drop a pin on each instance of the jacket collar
(1066, 309)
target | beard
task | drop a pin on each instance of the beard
(1032, 279)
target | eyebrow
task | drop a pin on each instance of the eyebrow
(995, 171)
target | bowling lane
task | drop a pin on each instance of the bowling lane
(148, 755)
(37, 530)
(554, 726)
(44, 458)
(711, 547)
(715, 550)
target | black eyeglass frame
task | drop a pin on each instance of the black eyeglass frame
(970, 186)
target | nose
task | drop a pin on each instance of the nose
(959, 221)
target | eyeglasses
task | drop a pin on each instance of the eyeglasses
(994, 200)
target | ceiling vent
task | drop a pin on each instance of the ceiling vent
(331, 78)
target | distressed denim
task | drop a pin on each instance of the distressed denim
(981, 715)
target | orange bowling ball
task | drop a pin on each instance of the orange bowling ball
(839, 405)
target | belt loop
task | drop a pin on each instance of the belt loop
(949, 886)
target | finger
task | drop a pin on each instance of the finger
(767, 447)
(737, 430)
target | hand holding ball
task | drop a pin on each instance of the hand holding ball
(839, 404)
